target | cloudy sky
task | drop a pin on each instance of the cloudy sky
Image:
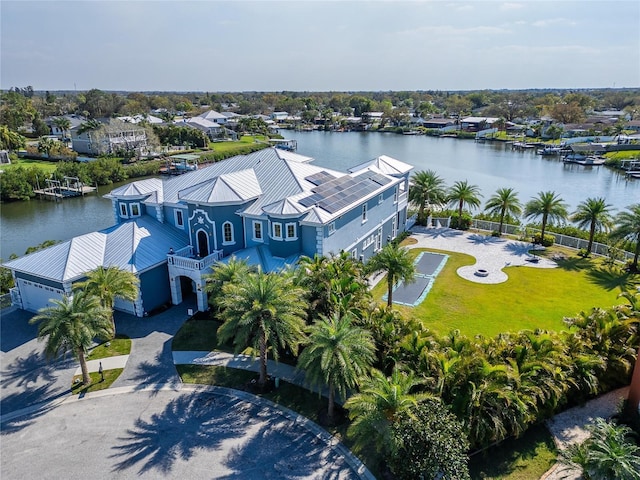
(318, 45)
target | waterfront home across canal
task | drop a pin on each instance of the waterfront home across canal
(269, 207)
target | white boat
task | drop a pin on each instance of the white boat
(550, 150)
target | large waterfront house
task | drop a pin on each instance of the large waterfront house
(269, 207)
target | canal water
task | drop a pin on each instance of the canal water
(488, 165)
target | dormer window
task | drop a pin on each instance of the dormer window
(124, 213)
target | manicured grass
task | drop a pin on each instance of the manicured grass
(241, 143)
(121, 345)
(110, 376)
(46, 167)
(198, 335)
(531, 298)
(525, 458)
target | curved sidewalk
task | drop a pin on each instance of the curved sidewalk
(108, 363)
(242, 362)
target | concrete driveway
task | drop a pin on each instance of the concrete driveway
(200, 434)
(148, 424)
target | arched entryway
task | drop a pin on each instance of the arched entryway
(203, 243)
(186, 288)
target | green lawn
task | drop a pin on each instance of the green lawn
(525, 458)
(121, 345)
(198, 335)
(46, 167)
(96, 384)
(232, 146)
(531, 298)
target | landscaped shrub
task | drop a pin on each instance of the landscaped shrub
(461, 223)
(547, 242)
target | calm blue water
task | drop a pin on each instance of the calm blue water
(490, 166)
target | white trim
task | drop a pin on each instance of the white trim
(175, 218)
(273, 230)
(354, 253)
(136, 205)
(396, 194)
(290, 238)
(124, 211)
(331, 228)
(224, 235)
(253, 231)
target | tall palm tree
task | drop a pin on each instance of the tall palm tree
(221, 274)
(426, 189)
(263, 310)
(627, 226)
(547, 205)
(504, 202)
(594, 213)
(462, 193)
(396, 263)
(63, 123)
(109, 283)
(71, 324)
(338, 355)
(378, 405)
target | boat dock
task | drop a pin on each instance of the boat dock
(57, 190)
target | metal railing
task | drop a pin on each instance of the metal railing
(526, 234)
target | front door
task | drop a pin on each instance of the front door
(203, 243)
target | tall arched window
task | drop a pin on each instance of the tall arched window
(227, 233)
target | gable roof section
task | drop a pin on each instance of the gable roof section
(138, 190)
(384, 164)
(134, 246)
(235, 187)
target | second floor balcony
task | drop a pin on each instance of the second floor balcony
(187, 258)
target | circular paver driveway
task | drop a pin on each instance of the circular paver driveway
(169, 434)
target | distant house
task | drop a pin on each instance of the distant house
(476, 124)
(633, 125)
(214, 117)
(112, 137)
(279, 116)
(135, 119)
(74, 122)
(438, 122)
(269, 207)
(209, 128)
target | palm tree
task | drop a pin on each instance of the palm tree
(396, 263)
(628, 227)
(221, 274)
(595, 213)
(109, 283)
(71, 325)
(426, 189)
(608, 453)
(378, 405)
(63, 123)
(504, 202)
(338, 355)
(263, 310)
(461, 194)
(548, 205)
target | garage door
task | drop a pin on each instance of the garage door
(36, 296)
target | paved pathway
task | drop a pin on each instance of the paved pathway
(492, 254)
(569, 427)
(108, 363)
(242, 362)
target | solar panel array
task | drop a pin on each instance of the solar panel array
(336, 194)
(320, 177)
